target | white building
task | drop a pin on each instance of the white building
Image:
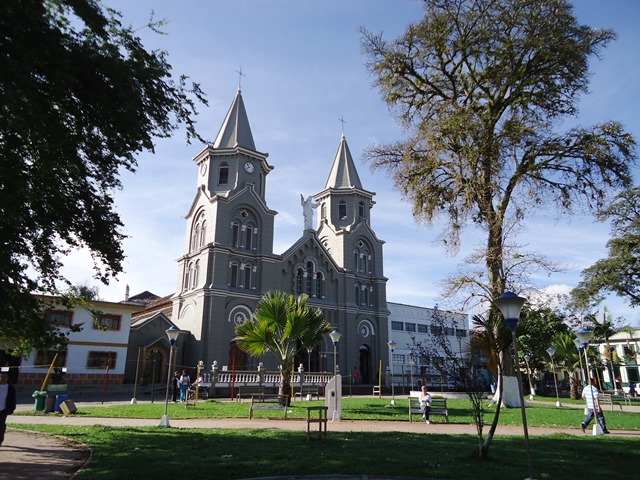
(627, 350)
(407, 321)
(95, 354)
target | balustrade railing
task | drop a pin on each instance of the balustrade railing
(268, 378)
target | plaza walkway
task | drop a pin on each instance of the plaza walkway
(26, 455)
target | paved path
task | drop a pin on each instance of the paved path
(26, 455)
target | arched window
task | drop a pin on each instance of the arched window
(361, 210)
(248, 240)
(223, 174)
(365, 295)
(203, 233)
(234, 274)
(246, 275)
(356, 255)
(309, 279)
(323, 211)
(199, 232)
(357, 294)
(342, 210)
(319, 285)
(187, 276)
(299, 281)
(195, 274)
(235, 234)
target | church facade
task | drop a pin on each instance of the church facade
(229, 262)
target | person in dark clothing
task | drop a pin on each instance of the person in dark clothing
(175, 386)
(7, 402)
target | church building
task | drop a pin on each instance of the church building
(229, 262)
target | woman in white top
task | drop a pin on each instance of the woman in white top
(425, 403)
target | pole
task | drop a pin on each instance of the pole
(164, 421)
(135, 385)
(46, 378)
(153, 376)
(555, 380)
(524, 415)
(393, 393)
(106, 375)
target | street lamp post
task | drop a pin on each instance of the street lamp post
(173, 333)
(392, 346)
(552, 351)
(411, 364)
(510, 306)
(335, 338)
(584, 336)
(532, 390)
(578, 344)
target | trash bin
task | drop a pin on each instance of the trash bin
(58, 402)
(39, 400)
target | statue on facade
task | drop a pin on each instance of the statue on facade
(307, 210)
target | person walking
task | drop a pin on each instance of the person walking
(7, 402)
(175, 386)
(592, 397)
(425, 403)
(185, 381)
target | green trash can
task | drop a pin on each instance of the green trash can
(40, 398)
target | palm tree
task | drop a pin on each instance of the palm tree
(284, 325)
(568, 357)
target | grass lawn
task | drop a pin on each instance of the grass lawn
(160, 453)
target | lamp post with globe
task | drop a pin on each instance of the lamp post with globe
(173, 333)
(510, 306)
(552, 351)
(392, 346)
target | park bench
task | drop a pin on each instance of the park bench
(320, 419)
(308, 390)
(246, 391)
(438, 407)
(269, 402)
(608, 399)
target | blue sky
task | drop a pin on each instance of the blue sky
(304, 71)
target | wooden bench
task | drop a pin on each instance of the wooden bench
(190, 399)
(247, 391)
(376, 391)
(312, 390)
(609, 399)
(269, 402)
(438, 407)
(320, 419)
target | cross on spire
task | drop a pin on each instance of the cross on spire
(341, 119)
(240, 75)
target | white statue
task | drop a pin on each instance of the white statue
(307, 210)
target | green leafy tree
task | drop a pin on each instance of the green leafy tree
(284, 325)
(536, 331)
(482, 87)
(619, 272)
(80, 97)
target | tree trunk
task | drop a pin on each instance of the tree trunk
(484, 449)
(285, 387)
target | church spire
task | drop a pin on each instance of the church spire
(343, 172)
(235, 130)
